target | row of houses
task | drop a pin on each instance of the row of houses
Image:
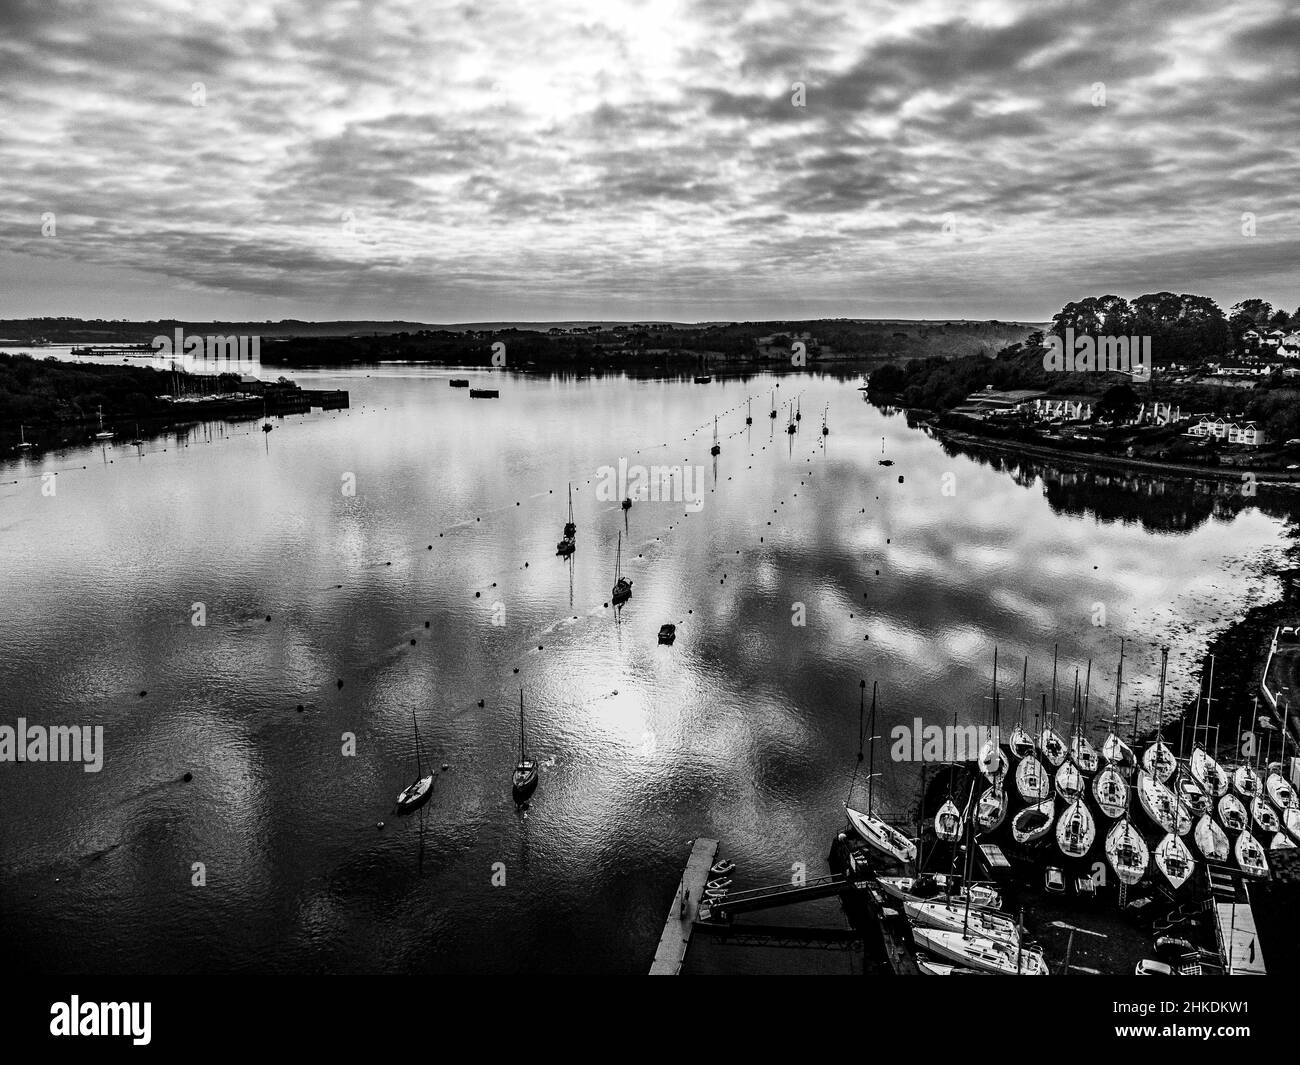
(1287, 344)
(1214, 428)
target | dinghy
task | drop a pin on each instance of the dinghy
(980, 952)
(947, 822)
(1127, 852)
(1174, 860)
(1263, 814)
(1110, 791)
(1162, 806)
(1034, 822)
(1075, 830)
(1069, 781)
(1250, 855)
(932, 885)
(991, 810)
(1245, 781)
(1232, 814)
(956, 918)
(723, 867)
(1032, 780)
(1210, 839)
(884, 837)
(1208, 773)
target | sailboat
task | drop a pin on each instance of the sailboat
(1050, 741)
(1115, 750)
(1162, 805)
(1127, 852)
(1232, 814)
(954, 917)
(24, 444)
(797, 415)
(417, 793)
(103, 433)
(791, 428)
(1081, 749)
(568, 544)
(1110, 791)
(991, 809)
(1075, 830)
(1174, 860)
(1158, 760)
(826, 431)
(524, 782)
(1250, 855)
(1021, 744)
(1279, 790)
(1208, 773)
(1032, 779)
(992, 762)
(1069, 782)
(875, 831)
(980, 952)
(716, 448)
(933, 885)
(772, 401)
(622, 590)
(1210, 839)
(947, 822)
(1263, 814)
(749, 412)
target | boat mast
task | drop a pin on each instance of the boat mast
(1055, 647)
(419, 768)
(521, 725)
(871, 740)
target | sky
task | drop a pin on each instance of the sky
(686, 160)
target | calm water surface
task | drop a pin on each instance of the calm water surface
(746, 730)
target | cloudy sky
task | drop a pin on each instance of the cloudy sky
(643, 158)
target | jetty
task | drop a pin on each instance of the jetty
(676, 936)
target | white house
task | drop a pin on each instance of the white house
(1245, 433)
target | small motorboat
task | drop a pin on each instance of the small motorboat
(1034, 822)
(883, 836)
(703, 380)
(667, 634)
(980, 952)
(1075, 830)
(1210, 839)
(1110, 791)
(723, 867)
(484, 393)
(1233, 814)
(1174, 860)
(459, 382)
(1127, 852)
(1250, 855)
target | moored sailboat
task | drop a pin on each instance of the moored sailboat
(1210, 839)
(932, 885)
(875, 831)
(1069, 782)
(1173, 859)
(979, 952)
(1032, 779)
(1263, 814)
(1075, 830)
(1110, 792)
(1127, 852)
(524, 780)
(1232, 814)
(417, 793)
(1250, 855)
(945, 914)
(1162, 806)
(622, 590)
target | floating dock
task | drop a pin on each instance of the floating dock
(677, 931)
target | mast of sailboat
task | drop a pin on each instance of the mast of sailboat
(1087, 690)
(1024, 684)
(521, 725)
(871, 739)
(1055, 648)
(419, 767)
(1160, 719)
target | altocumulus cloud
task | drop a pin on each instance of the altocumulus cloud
(612, 158)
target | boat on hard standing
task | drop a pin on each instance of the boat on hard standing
(1246, 782)
(1208, 773)
(991, 809)
(1250, 855)
(1210, 839)
(1232, 814)
(1020, 742)
(1174, 860)
(1082, 751)
(1291, 821)
(1053, 746)
(417, 793)
(1034, 822)
(1158, 760)
(1280, 842)
(955, 917)
(524, 780)
(1032, 779)
(1075, 830)
(1114, 750)
(979, 952)
(1110, 791)
(1194, 797)
(1280, 791)
(930, 967)
(947, 822)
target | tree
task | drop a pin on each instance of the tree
(1118, 403)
